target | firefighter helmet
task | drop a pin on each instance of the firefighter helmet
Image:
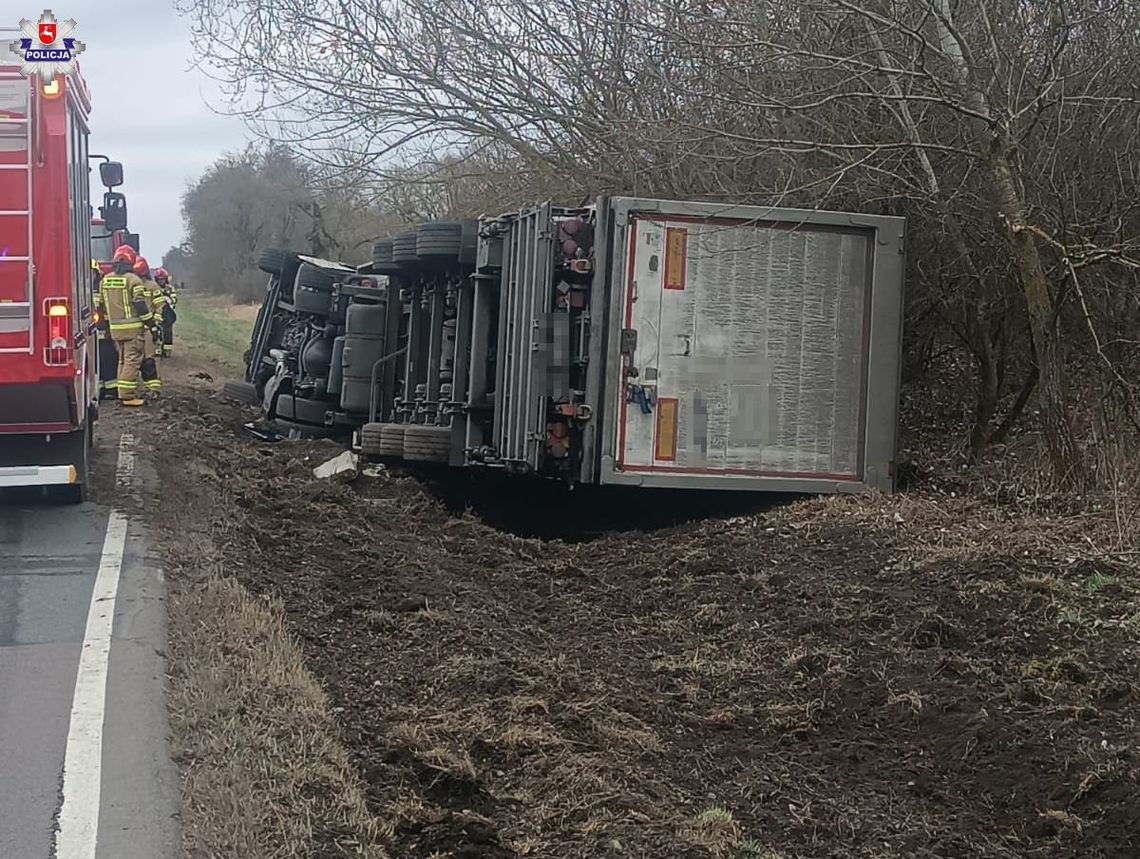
(141, 267)
(161, 276)
(124, 253)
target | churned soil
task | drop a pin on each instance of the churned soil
(925, 675)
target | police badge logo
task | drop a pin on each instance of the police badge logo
(49, 48)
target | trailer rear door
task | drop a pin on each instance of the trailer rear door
(755, 348)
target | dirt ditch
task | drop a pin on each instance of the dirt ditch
(853, 677)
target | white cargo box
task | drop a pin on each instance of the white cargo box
(752, 348)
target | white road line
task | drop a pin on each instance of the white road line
(78, 827)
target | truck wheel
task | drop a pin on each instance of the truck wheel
(390, 440)
(404, 251)
(76, 493)
(441, 240)
(242, 392)
(427, 444)
(312, 277)
(382, 262)
(469, 243)
(382, 441)
(273, 261)
(382, 253)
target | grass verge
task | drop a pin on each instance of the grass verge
(214, 330)
(263, 771)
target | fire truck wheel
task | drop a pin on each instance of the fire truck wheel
(427, 444)
(79, 443)
(242, 392)
(441, 240)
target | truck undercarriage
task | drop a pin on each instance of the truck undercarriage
(636, 342)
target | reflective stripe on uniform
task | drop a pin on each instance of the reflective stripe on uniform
(118, 306)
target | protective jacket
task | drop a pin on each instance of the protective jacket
(124, 302)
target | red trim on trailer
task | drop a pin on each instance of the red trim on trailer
(36, 429)
(741, 472)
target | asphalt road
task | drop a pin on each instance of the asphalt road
(50, 559)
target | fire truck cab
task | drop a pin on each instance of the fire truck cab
(104, 241)
(48, 372)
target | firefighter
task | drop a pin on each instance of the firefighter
(169, 316)
(124, 306)
(152, 342)
(108, 354)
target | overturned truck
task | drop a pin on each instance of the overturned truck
(634, 341)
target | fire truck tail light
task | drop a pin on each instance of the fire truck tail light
(58, 351)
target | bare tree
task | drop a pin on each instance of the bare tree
(243, 204)
(1005, 131)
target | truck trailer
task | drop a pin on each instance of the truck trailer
(637, 342)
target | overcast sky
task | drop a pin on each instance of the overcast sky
(149, 110)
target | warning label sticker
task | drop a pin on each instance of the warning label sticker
(676, 257)
(666, 447)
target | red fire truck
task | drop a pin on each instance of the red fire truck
(104, 242)
(48, 364)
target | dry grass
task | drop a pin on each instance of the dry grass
(870, 677)
(263, 772)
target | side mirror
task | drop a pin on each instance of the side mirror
(114, 211)
(131, 239)
(111, 174)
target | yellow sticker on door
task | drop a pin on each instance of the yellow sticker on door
(666, 446)
(676, 253)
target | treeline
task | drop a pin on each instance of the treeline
(1005, 131)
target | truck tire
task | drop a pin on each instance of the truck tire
(382, 252)
(391, 440)
(404, 251)
(76, 493)
(382, 441)
(311, 277)
(382, 262)
(272, 261)
(440, 241)
(241, 392)
(469, 242)
(427, 444)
